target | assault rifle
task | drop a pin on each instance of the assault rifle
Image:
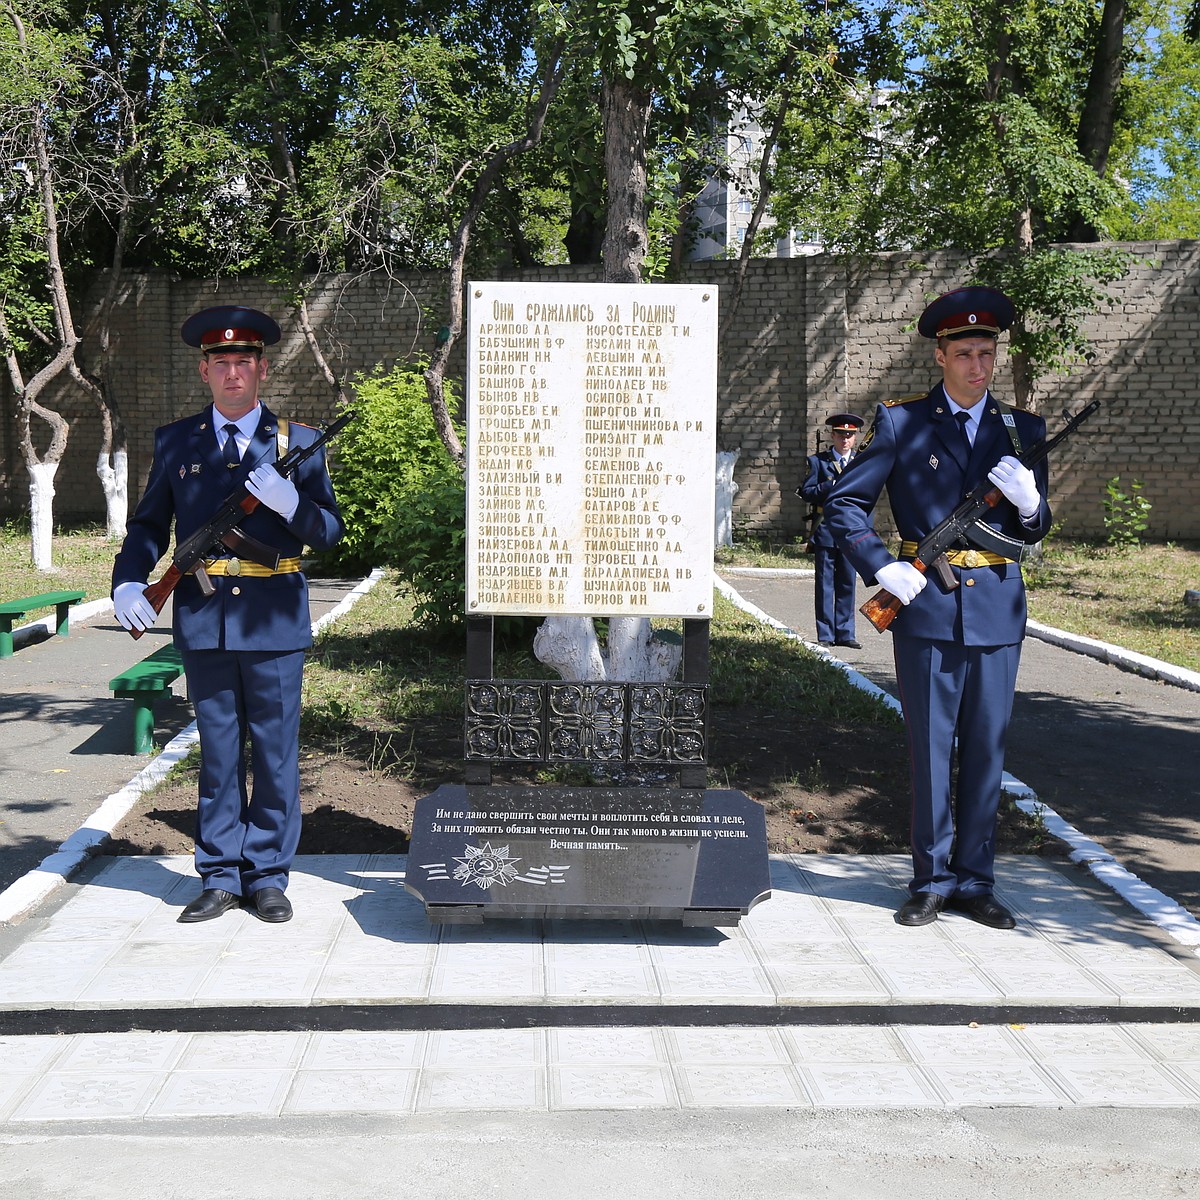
(222, 530)
(965, 524)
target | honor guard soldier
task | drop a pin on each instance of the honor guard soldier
(243, 647)
(956, 649)
(833, 590)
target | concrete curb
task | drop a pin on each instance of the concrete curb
(26, 893)
(1117, 656)
(1167, 914)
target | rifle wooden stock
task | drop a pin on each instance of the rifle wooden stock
(881, 608)
(157, 593)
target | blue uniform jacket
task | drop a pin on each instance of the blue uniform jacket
(187, 484)
(816, 486)
(916, 452)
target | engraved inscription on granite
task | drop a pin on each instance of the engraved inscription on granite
(515, 850)
(591, 449)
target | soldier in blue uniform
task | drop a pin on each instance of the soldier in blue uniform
(956, 650)
(243, 648)
(833, 590)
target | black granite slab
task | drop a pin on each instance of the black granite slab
(697, 856)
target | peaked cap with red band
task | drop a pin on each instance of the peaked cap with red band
(230, 327)
(970, 310)
(845, 423)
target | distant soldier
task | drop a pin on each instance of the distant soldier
(833, 591)
(243, 647)
(956, 650)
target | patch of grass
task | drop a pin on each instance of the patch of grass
(763, 552)
(1130, 597)
(754, 665)
(82, 559)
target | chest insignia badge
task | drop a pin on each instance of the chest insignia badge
(933, 461)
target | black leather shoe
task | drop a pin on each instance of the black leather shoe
(272, 905)
(850, 644)
(985, 909)
(209, 904)
(921, 909)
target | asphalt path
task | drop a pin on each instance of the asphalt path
(1113, 753)
(65, 740)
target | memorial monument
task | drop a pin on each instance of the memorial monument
(591, 424)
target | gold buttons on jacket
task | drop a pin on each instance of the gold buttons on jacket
(237, 591)
(970, 583)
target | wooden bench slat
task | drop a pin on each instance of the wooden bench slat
(144, 683)
(14, 610)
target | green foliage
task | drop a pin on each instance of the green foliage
(1126, 514)
(401, 495)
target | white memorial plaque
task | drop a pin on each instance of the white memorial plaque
(591, 449)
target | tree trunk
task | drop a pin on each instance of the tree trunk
(626, 119)
(569, 644)
(1098, 118)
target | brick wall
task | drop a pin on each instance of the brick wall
(811, 337)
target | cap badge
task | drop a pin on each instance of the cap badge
(972, 318)
(229, 333)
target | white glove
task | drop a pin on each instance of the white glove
(1018, 485)
(132, 608)
(276, 491)
(902, 579)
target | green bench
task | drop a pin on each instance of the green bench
(144, 683)
(12, 611)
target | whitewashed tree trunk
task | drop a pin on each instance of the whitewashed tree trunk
(41, 514)
(726, 489)
(571, 647)
(114, 481)
(634, 653)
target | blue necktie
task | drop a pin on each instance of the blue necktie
(233, 458)
(963, 420)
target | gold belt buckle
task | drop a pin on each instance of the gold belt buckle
(972, 558)
(233, 567)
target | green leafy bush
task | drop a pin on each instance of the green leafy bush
(1126, 514)
(401, 495)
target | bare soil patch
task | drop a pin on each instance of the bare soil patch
(824, 789)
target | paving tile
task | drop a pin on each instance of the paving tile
(88, 1095)
(467, 1048)
(1128, 1084)
(695, 1046)
(596, 982)
(1010, 1083)
(217, 1051)
(961, 1044)
(349, 983)
(137, 1051)
(611, 1086)
(840, 1044)
(483, 1088)
(748, 1086)
(1096, 1043)
(594, 1047)
(247, 976)
(375, 1090)
(217, 1093)
(352, 1050)
(713, 984)
(864, 1084)
(1168, 1043)
(826, 984)
(1038, 983)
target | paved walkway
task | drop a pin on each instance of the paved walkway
(116, 1023)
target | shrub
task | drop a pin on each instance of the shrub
(1126, 515)
(402, 497)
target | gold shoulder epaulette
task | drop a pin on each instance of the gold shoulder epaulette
(904, 399)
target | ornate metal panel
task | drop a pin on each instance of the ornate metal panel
(537, 721)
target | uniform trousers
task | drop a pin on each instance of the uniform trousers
(833, 595)
(947, 688)
(246, 842)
